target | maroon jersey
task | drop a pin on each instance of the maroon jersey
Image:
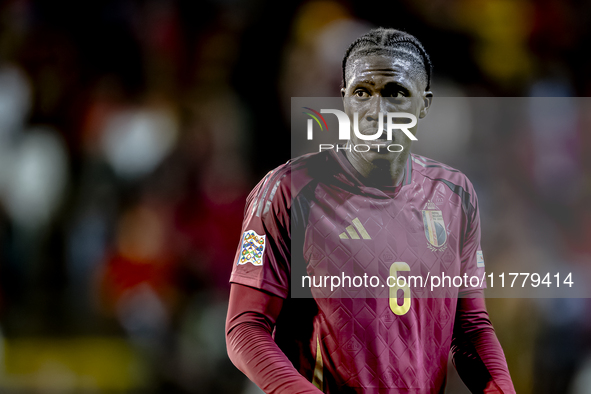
(314, 217)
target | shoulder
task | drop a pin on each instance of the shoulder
(288, 180)
(454, 180)
(438, 171)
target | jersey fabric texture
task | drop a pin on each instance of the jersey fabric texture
(314, 217)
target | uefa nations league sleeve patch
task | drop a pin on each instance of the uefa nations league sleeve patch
(253, 246)
(479, 259)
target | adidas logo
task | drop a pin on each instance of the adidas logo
(350, 230)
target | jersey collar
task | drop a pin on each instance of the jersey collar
(351, 176)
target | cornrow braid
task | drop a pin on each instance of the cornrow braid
(391, 42)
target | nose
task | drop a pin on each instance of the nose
(377, 106)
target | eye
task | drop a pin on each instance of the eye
(397, 94)
(361, 93)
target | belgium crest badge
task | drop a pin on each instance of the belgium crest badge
(435, 231)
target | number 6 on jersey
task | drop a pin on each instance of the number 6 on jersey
(398, 309)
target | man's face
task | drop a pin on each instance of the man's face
(383, 84)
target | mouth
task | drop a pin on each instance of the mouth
(383, 138)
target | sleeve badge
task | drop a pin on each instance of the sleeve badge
(479, 259)
(253, 246)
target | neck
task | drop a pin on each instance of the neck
(380, 171)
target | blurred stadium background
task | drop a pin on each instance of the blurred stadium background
(131, 132)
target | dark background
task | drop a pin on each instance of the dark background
(132, 131)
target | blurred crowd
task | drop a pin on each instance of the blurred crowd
(131, 132)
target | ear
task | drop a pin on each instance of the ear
(427, 99)
(343, 92)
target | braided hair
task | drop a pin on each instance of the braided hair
(393, 43)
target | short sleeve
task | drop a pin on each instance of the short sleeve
(472, 258)
(263, 257)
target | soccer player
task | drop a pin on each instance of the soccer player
(378, 213)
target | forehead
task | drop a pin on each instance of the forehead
(381, 67)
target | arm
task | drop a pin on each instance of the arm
(477, 353)
(251, 317)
